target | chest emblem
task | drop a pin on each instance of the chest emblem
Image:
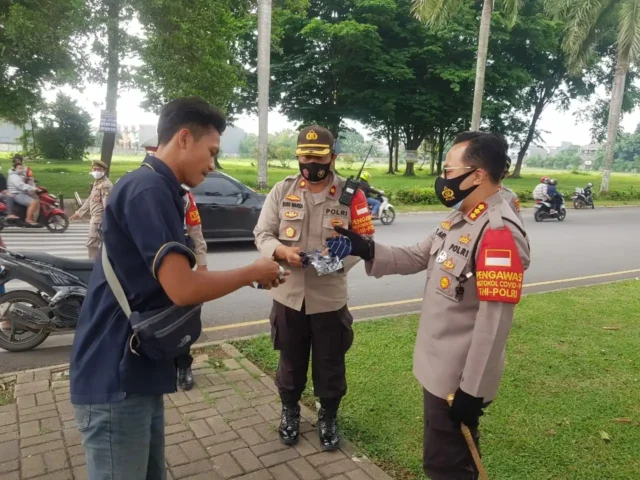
(446, 225)
(476, 212)
(449, 264)
(291, 214)
(336, 222)
(290, 232)
(445, 283)
(448, 194)
(442, 257)
(332, 191)
(293, 198)
(465, 239)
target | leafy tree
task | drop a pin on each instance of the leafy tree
(438, 13)
(66, 131)
(585, 20)
(38, 46)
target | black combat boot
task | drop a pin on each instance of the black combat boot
(328, 424)
(185, 378)
(289, 423)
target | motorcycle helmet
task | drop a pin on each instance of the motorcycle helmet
(365, 176)
(553, 181)
(589, 185)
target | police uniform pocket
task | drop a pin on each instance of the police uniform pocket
(291, 224)
(448, 269)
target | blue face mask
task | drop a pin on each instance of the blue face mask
(457, 206)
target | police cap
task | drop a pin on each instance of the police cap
(99, 163)
(315, 141)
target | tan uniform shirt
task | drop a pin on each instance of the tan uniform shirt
(194, 230)
(514, 202)
(461, 340)
(290, 216)
(97, 201)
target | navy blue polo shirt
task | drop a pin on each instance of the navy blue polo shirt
(143, 222)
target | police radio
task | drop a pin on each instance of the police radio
(352, 184)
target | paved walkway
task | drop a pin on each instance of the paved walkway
(225, 428)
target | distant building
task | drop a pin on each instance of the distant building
(10, 137)
(563, 146)
(588, 155)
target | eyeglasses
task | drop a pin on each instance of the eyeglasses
(446, 170)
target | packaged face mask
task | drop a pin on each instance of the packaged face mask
(324, 264)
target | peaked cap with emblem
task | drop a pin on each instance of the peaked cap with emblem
(99, 163)
(315, 141)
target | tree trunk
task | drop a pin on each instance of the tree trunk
(33, 134)
(396, 140)
(615, 108)
(440, 150)
(412, 158)
(532, 130)
(434, 150)
(483, 47)
(390, 147)
(113, 76)
(264, 64)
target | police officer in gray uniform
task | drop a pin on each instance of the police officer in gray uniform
(475, 262)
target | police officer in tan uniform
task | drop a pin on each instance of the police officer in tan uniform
(475, 261)
(310, 313)
(95, 205)
(193, 231)
(509, 195)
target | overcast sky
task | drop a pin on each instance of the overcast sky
(561, 126)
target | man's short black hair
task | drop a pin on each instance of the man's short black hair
(193, 113)
(485, 150)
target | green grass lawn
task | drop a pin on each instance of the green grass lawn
(68, 177)
(572, 378)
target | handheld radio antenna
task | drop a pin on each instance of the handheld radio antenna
(363, 163)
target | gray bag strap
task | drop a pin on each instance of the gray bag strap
(113, 282)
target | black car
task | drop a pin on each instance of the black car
(229, 209)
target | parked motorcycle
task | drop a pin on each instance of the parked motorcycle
(582, 198)
(51, 215)
(386, 212)
(542, 211)
(27, 317)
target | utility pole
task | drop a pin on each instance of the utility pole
(264, 68)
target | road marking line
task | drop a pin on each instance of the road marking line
(416, 300)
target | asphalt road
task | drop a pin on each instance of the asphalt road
(590, 246)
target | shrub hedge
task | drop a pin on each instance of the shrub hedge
(427, 196)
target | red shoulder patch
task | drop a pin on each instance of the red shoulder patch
(499, 272)
(361, 221)
(193, 215)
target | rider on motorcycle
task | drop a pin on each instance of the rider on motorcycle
(587, 191)
(23, 193)
(369, 192)
(554, 196)
(540, 192)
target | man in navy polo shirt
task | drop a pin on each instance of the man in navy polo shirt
(118, 396)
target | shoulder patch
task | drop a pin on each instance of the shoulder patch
(361, 221)
(516, 204)
(499, 271)
(192, 217)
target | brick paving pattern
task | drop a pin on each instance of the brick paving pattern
(226, 428)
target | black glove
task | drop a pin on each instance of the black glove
(466, 409)
(361, 246)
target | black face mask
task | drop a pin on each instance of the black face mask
(315, 172)
(449, 193)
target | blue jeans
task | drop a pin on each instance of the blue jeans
(124, 440)
(374, 204)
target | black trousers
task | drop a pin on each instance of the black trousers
(325, 336)
(446, 455)
(184, 361)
